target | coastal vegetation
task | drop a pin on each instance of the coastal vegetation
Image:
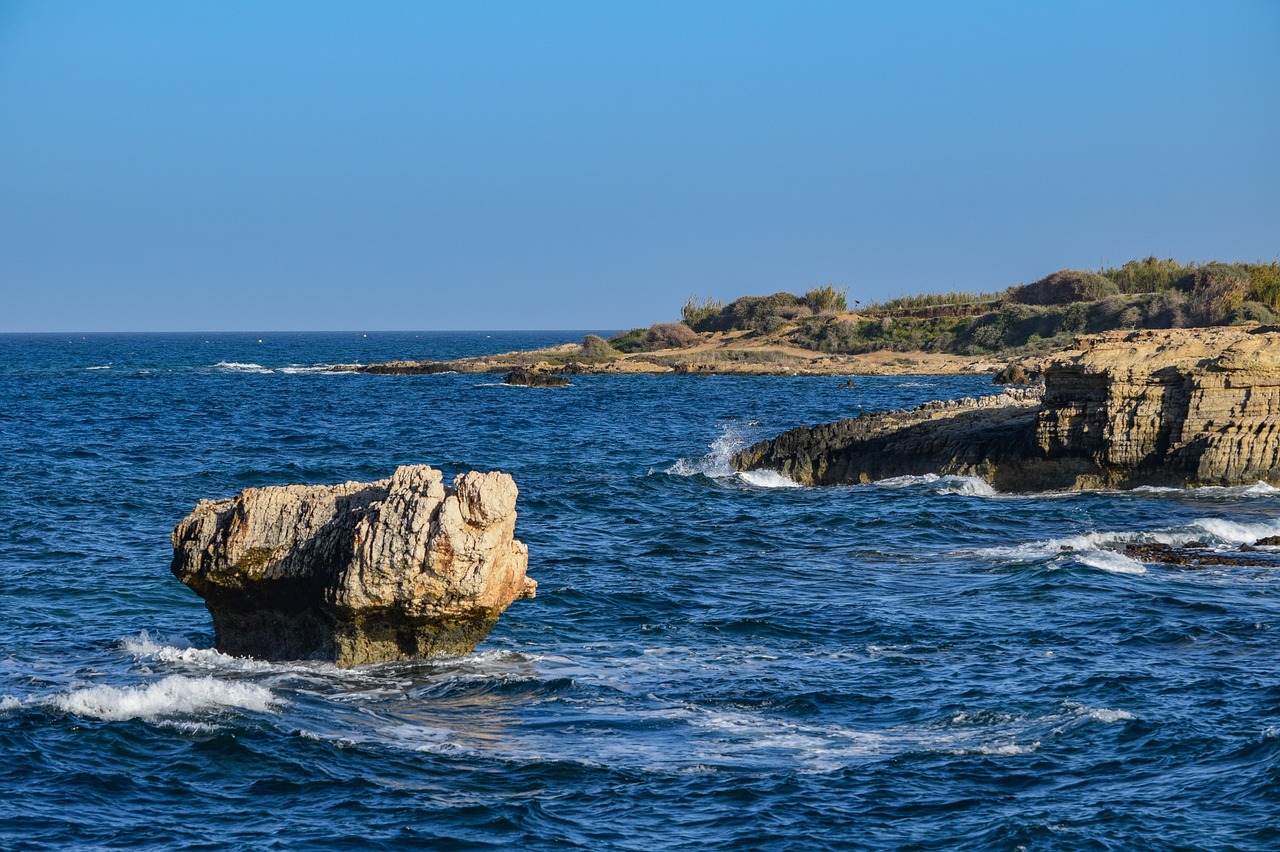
(1036, 317)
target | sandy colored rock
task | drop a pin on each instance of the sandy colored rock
(360, 572)
(1181, 407)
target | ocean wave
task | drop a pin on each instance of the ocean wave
(1102, 549)
(242, 367)
(767, 479)
(1110, 560)
(146, 646)
(967, 486)
(102, 367)
(300, 369)
(1258, 489)
(717, 463)
(175, 695)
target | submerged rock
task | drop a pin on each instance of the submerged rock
(1194, 554)
(1182, 407)
(356, 573)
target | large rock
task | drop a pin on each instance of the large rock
(1183, 407)
(356, 573)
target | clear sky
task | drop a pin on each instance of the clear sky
(370, 165)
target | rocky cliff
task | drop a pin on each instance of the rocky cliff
(356, 573)
(1121, 409)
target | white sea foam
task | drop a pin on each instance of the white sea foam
(767, 479)
(102, 367)
(1109, 560)
(967, 486)
(716, 464)
(175, 695)
(146, 646)
(1233, 532)
(1007, 749)
(9, 702)
(1104, 715)
(299, 369)
(1101, 549)
(240, 367)
(1258, 489)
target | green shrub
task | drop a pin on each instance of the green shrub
(1064, 288)
(1265, 286)
(1149, 275)
(1165, 310)
(629, 341)
(597, 348)
(934, 300)
(749, 313)
(1254, 312)
(661, 335)
(697, 311)
(827, 299)
(671, 335)
(1218, 289)
(794, 312)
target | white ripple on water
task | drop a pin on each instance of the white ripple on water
(242, 367)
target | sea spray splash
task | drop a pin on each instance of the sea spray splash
(717, 464)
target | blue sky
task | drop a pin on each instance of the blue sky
(490, 165)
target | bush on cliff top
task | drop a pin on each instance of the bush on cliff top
(596, 348)
(1063, 288)
(662, 335)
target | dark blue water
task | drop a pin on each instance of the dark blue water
(710, 661)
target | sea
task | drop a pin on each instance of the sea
(714, 660)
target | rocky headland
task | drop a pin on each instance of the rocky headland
(734, 353)
(1176, 407)
(403, 567)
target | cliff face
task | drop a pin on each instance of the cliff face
(360, 572)
(1174, 407)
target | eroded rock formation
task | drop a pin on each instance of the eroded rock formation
(1172, 407)
(360, 572)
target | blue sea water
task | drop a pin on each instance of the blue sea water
(712, 661)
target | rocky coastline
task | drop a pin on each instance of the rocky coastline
(731, 354)
(1178, 407)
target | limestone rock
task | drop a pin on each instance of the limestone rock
(1182, 407)
(360, 572)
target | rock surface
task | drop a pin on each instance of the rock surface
(1180, 407)
(356, 573)
(535, 379)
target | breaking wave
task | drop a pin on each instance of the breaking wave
(967, 486)
(175, 695)
(242, 367)
(717, 463)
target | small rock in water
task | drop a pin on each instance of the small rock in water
(1190, 555)
(356, 573)
(535, 379)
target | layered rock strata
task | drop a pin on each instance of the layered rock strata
(403, 567)
(1184, 407)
